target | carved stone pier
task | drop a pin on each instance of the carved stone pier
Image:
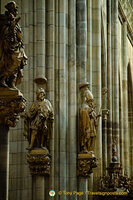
(12, 103)
(38, 130)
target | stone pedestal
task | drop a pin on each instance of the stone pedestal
(39, 163)
(12, 104)
(86, 162)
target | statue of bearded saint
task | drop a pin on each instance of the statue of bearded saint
(88, 121)
(38, 122)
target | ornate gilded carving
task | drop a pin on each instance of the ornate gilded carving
(12, 55)
(88, 120)
(115, 181)
(11, 105)
(39, 162)
(86, 162)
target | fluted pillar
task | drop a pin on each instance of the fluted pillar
(89, 43)
(115, 77)
(40, 37)
(62, 70)
(72, 99)
(56, 91)
(50, 67)
(125, 99)
(38, 182)
(38, 188)
(89, 67)
(109, 84)
(96, 81)
(104, 93)
(81, 39)
(130, 114)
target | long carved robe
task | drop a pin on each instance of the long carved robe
(88, 124)
(40, 115)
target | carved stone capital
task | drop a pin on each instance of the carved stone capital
(86, 162)
(39, 162)
(126, 12)
(12, 103)
(105, 113)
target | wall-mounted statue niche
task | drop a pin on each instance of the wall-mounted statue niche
(38, 129)
(12, 61)
(88, 129)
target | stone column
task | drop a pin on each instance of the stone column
(81, 39)
(62, 75)
(104, 92)
(115, 77)
(89, 43)
(38, 187)
(11, 104)
(72, 99)
(50, 73)
(38, 131)
(96, 81)
(4, 161)
(83, 188)
(109, 84)
(130, 114)
(89, 66)
(40, 37)
(39, 163)
(125, 99)
(56, 90)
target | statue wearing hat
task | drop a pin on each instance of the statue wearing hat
(88, 120)
(38, 121)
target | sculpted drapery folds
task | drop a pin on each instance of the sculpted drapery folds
(38, 122)
(12, 55)
(88, 120)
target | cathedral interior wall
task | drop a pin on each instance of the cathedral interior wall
(69, 42)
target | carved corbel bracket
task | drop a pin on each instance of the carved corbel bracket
(39, 162)
(86, 162)
(12, 103)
